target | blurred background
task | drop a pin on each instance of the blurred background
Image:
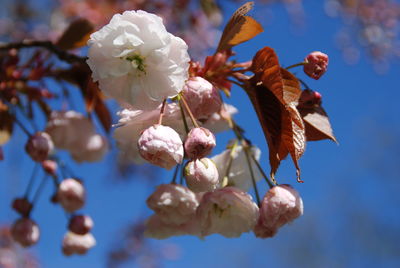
(351, 190)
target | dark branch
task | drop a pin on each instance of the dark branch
(61, 54)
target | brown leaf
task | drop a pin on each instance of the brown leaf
(282, 125)
(284, 85)
(317, 124)
(76, 35)
(240, 28)
(275, 93)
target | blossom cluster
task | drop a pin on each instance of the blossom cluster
(172, 111)
(172, 108)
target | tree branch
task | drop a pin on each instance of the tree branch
(61, 54)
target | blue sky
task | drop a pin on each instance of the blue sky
(350, 192)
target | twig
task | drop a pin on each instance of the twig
(194, 121)
(61, 54)
(162, 112)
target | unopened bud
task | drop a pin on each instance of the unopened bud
(77, 244)
(50, 167)
(39, 146)
(71, 194)
(199, 143)
(80, 224)
(161, 146)
(316, 64)
(201, 175)
(25, 232)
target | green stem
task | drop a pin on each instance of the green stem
(253, 179)
(175, 174)
(296, 65)
(194, 121)
(31, 180)
(184, 118)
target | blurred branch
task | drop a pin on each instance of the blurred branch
(61, 54)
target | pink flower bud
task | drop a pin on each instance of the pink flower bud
(22, 206)
(282, 204)
(25, 232)
(227, 211)
(199, 143)
(201, 175)
(316, 64)
(71, 194)
(50, 167)
(202, 97)
(80, 224)
(174, 204)
(91, 150)
(161, 146)
(39, 146)
(158, 229)
(77, 244)
(309, 98)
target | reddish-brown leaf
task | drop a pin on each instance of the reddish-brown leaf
(240, 28)
(274, 93)
(317, 124)
(284, 85)
(282, 125)
(76, 35)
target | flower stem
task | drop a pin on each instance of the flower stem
(31, 180)
(304, 84)
(24, 129)
(162, 110)
(194, 121)
(39, 190)
(175, 174)
(253, 179)
(296, 65)
(230, 161)
(270, 184)
(184, 118)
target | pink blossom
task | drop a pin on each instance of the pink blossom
(174, 204)
(282, 204)
(202, 97)
(25, 232)
(39, 146)
(80, 224)
(201, 175)
(92, 149)
(161, 146)
(77, 244)
(74, 132)
(71, 194)
(227, 211)
(316, 64)
(219, 121)
(133, 122)
(199, 143)
(239, 172)
(67, 128)
(156, 228)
